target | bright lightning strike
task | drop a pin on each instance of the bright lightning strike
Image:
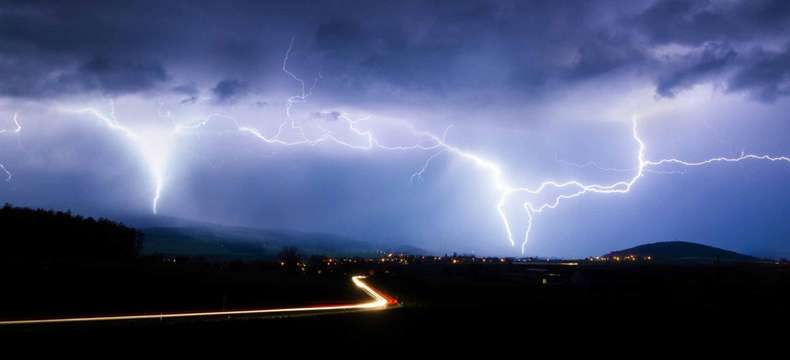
(17, 126)
(154, 146)
(16, 130)
(155, 151)
(578, 188)
(369, 140)
(8, 174)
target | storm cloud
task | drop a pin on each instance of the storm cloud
(52, 48)
(545, 89)
(227, 91)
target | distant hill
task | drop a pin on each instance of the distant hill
(682, 251)
(173, 236)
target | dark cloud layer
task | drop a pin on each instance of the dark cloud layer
(695, 22)
(691, 69)
(713, 27)
(118, 76)
(191, 92)
(766, 76)
(486, 67)
(48, 48)
(228, 91)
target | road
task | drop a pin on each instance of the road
(380, 301)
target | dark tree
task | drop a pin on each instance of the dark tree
(45, 235)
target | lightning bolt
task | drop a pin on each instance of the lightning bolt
(369, 139)
(591, 164)
(154, 146)
(17, 126)
(577, 188)
(719, 159)
(16, 130)
(291, 132)
(8, 174)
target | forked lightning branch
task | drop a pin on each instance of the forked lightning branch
(156, 153)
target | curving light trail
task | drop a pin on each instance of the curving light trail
(16, 130)
(155, 151)
(379, 302)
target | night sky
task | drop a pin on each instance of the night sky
(117, 97)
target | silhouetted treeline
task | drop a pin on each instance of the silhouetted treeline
(45, 235)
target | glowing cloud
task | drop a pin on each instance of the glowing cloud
(155, 148)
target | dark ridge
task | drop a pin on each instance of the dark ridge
(682, 251)
(44, 235)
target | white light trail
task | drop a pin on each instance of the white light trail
(380, 302)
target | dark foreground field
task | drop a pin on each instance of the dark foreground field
(442, 303)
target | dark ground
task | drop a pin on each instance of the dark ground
(457, 305)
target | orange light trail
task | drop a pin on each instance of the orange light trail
(380, 302)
